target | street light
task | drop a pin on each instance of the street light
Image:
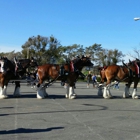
(137, 18)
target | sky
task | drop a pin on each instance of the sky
(85, 22)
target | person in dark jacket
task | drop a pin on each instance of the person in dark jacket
(89, 76)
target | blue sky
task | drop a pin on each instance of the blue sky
(85, 22)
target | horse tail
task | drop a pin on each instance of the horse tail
(129, 70)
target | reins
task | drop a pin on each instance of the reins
(50, 82)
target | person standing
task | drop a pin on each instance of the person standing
(89, 76)
(94, 80)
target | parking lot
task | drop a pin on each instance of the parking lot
(88, 117)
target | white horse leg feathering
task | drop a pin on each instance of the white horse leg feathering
(40, 92)
(3, 93)
(1, 67)
(134, 94)
(107, 93)
(71, 95)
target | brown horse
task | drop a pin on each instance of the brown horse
(127, 73)
(15, 70)
(67, 72)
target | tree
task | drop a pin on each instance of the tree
(74, 50)
(101, 57)
(42, 48)
(93, 51)
(117, 56)
(108, 57)
(12, 54)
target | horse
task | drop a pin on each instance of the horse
(68, 72)
(127, 73)
(15, 70)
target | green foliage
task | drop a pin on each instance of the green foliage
(42, 48)
(49, 50)
(108, 57)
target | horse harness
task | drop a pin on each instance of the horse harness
(72, 68)
(131, 74)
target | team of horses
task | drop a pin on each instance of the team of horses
(69, 72)
(17, 69)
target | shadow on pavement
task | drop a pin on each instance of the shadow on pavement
(28, 130)
(23, 96)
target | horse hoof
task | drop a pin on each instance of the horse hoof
(67, 96)
(75, 94)
(72, 97)
(3, 97)
(40, 97)
(108, 97)
(136, 97)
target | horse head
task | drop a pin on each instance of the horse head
(79, 63)
(132, 63)
(138, 62)
(86, 61)
(3, 64)
(6, 65)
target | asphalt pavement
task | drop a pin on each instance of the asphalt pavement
(88, 117)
